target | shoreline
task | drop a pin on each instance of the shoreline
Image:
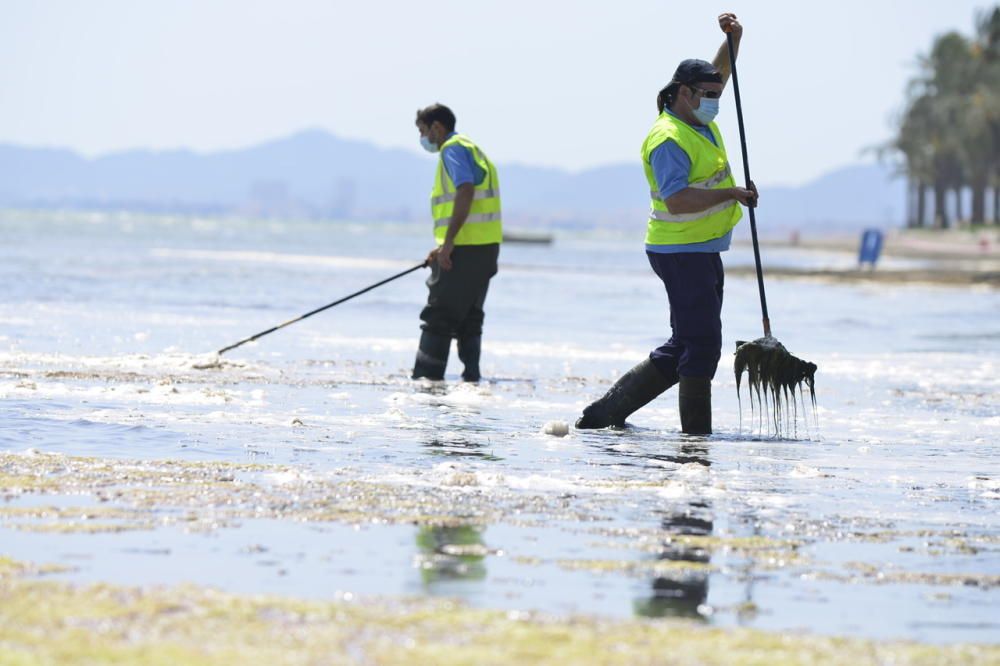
(959, 257)
(947, 277)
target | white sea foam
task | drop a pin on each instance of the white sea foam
(141, 364)
(987, 487)
(496, 348)
(806, 472)
(692, 471)
(556, 428)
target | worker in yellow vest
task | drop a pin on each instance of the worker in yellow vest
(695, 205)
(465, 208)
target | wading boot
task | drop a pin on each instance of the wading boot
(432, 356)
(694, 400)
(468, 351)
(636, 388)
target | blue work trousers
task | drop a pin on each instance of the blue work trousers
(694, 282)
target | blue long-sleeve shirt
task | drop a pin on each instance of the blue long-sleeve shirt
(460, 164)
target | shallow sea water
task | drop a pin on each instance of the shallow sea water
(880, 521)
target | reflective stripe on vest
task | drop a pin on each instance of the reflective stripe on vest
(479, 194)
(709, 171)
(715, 180)
(473, 218)
(483, 224)
(667, 216)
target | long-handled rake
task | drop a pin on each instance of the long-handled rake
(216, 361)
(773, 374)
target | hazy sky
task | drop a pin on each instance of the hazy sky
(568, 84)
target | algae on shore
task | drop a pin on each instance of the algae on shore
(46, 622)
(126, 495)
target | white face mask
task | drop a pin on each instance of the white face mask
(429, 145)
(707, 110)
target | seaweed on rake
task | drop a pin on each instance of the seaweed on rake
(774, 376)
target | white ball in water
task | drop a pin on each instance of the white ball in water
(556, 428)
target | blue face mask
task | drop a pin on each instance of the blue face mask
(429, 145)
(706, 111)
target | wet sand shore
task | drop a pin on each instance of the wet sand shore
(44, 622)
(948, 258)
(946, 276)
(303, 501)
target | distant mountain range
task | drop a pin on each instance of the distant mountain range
(316, 174)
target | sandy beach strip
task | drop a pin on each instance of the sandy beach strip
(938, 276)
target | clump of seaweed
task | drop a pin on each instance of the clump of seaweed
(774, 376)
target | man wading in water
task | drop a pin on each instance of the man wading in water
(465, 207)
(696, 204)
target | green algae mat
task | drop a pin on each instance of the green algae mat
(45, 620)
(48, 622)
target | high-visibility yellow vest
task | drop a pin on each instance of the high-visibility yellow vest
(482, 226)
(709, 170)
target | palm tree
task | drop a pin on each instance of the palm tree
(928, 135)
(988, 94)
(951, 76)
(913, 141)
(949, 134)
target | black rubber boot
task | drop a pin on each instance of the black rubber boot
(636, 388)
(432, 356)
(694, 399)
(469, 350)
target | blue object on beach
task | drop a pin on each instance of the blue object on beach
(871, 247)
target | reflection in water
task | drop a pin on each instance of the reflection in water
(451, 554)
(459, 447)
(686, 453)
(682, 594)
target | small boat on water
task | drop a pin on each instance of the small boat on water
(517, 236)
